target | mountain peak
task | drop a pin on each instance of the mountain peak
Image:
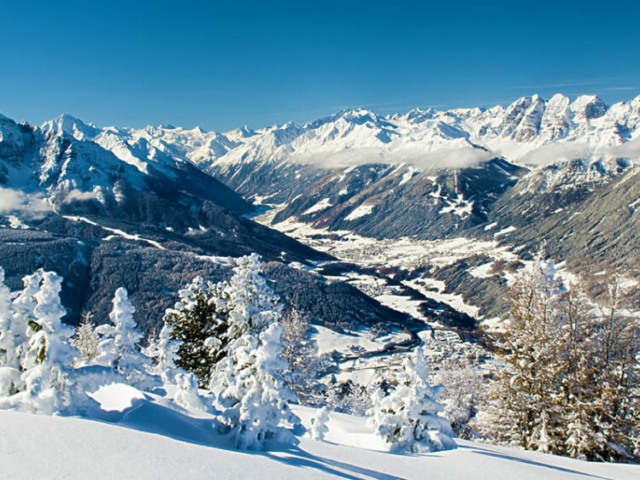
(71, 125)
(588, 107)
(417, 115)
(558, 99)
(358, 116)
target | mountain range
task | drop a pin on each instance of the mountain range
(556, 170)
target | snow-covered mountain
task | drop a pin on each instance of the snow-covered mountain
(503, 174)
(61, 163)
(587, 143)
(101, 211)
(586, 127)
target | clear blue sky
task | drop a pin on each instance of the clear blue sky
(224, 64)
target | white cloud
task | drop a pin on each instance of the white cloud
(452, 157)
(629, 149)
(18, 201)
(555, 153)
(79, 195)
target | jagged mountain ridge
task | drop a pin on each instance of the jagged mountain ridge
(104, 220)
(60, 173)
(470, 149)
(427, 174)
(361, 136)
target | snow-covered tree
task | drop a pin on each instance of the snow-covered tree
(24, 305)
(300, 352)
(251, 302)
(570, 370)
(200, 321)
(11, 332)
(119, 345)
(408, 417)
(47, 362)
(319, 427)
(576, 378)
(522, 398)
(187, 395)
(248, 382)
(348, 397)
(164, 351)
(7, 342)
(250, 389)
(86, 340)
(463, 395)
(615, 382)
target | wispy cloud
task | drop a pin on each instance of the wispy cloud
(617, 89)
(566, 84)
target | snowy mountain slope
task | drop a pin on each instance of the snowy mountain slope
(590, 227)
(451, 139)
(67, 172)
(57, 447)
(527, 131)
(585, 143)
(69, 205)
(56, 178)
(277, 164)
(384, 201)
(426, 174)
(357, 170)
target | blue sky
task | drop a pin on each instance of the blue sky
(225, 64)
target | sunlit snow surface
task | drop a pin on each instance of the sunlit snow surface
(150, 440)
(116, 397)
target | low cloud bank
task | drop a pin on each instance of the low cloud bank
(455, 157)
(556, 152)
(17, 201)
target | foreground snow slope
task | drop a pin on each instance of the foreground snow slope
(55, 447)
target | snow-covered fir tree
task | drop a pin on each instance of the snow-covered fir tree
(248, 382)
(319, 427)
(163, 349)
(119, 345)
(463, 394)
(615, 400)
(25, 302)
(250, 390)
(200, 321)
(11, 333)
(408, 417)
(570, 371)
(187, 395)
(348, 397)
(300, 353)
(86, 340)
(24, 305)
(251, 302)
(578, 343)
(46, 363)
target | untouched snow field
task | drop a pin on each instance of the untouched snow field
(144, 436)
